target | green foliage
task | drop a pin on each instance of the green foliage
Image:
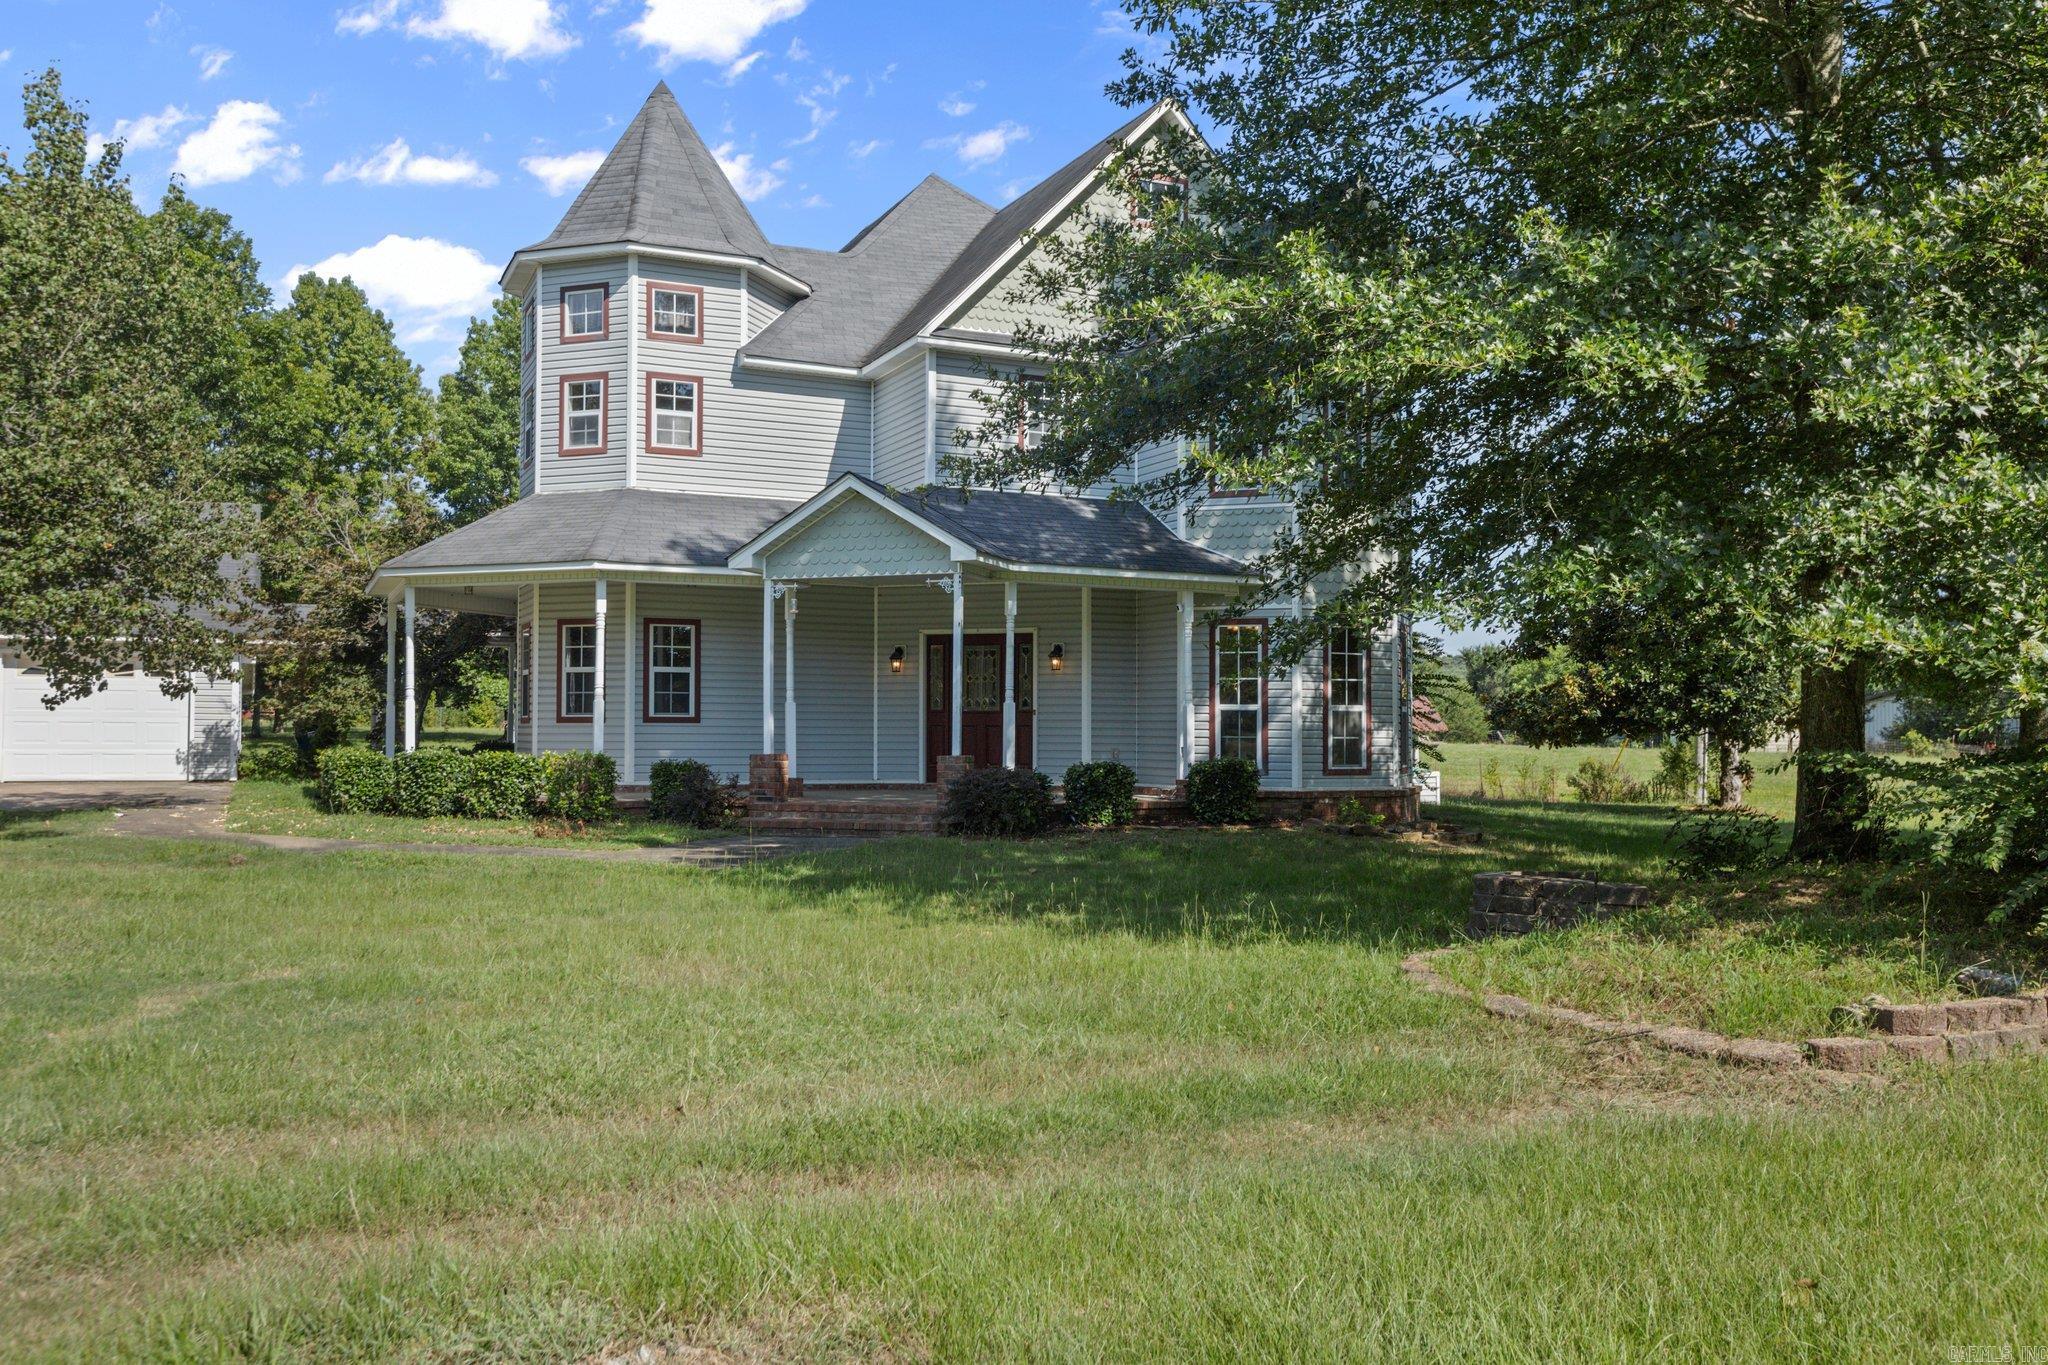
(1723, 843)
(498, 785)
(1982, 819)
(1352, 811)
(1000, 803)
(580, 786)
(1224, 791)
(116, 500)
(1678, 772)
(687, 792)
(270, 763)
(356, 781)
(1604, 783)
(1101, 794)
(429, 782)
(474, 466)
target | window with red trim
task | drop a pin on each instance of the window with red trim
(675, 312)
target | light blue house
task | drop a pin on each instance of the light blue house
(735, 543)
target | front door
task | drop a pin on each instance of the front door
(981, 701)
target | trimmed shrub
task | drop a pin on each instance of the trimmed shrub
(686, 792)
(355, 781)
(1102, 794)
(1000, 802)
(499, 785)
(270, 763)
(581, 786)
(1224, 791)
(428, 782)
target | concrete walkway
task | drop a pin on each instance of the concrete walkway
(198, 810)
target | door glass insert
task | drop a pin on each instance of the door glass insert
(984, 684)
(935, 677)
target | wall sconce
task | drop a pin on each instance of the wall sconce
(896, 659)
(1058, 658)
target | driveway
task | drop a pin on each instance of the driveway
(153, 808)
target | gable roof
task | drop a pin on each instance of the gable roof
(661, 187)
(859, 291)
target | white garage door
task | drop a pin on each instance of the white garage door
(131, 732)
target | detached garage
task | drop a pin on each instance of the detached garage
(127, 732)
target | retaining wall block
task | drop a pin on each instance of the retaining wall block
(1846, 1054)
(1913, 1020)
(1919, 1047)
(1971, 1047)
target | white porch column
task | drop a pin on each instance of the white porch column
(412, 719)
(1009, 675)
(789, 674)
(1185, 673)
(632, 681)
(597, 682)
(768, 595)
(512, 681)
(1087, 675)
(959, 647)
(1294, 682)
(390, 676)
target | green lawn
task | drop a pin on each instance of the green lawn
(288, 808)
(1161, 1095)
(1525, 771)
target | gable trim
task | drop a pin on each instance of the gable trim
(749, 556)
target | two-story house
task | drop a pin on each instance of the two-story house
(736, 541)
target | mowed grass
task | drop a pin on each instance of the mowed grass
(289, 808)
(1124, 1097)
(1523, 768)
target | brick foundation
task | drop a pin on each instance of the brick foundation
(951, 768)
(1397, 806)
(768, 777)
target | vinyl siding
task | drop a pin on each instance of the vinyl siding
(857, 539)
(964, 383)
(216, 741)
(899, 399)
(553, 470)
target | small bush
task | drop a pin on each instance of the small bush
(499, 785)
(1224, 791)
(1723, 843)
(1352, 811)
(687, 792)
(1678, 774)
(270, 763)
(581, 786)
(1000, 803)
(1602, 783)
(1102, 795)
(355, 781)
(428, 782)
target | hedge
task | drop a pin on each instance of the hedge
(1224, 791)
(428, 782)
(1102, 794)
(270, 763)
(354, 781)
(500, 785)
(1002, 802)
(492, 785)
(689, 793)
(580, 786)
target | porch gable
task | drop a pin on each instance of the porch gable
(857, 538)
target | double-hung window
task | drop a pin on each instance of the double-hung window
(583, 415)
(1032, 428)
(526, 332)
(526, 674)
(526, 424)
(1239, 670)
(672, 671)
(1347, 668)
(675, 312)
(576, 670)
(586, 314)
(673, 413)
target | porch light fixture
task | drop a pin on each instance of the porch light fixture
(1058, 658)
(896, 659)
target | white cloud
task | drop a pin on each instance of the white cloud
(511, 29)
(560, 174)
(753, 182)
(422, 282)
(6, 54)
(957, 105)
(742, 66)
(986, 146)
(797, 50)
(821, 112)
(212, 60)
(395, 164)
(138, 133)
(817, 201)
(707, 30)
(861, 151)
(366, 18)
(240, 141)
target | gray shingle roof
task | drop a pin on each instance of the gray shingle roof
(859, 292)
(610, 525)
(1056, 531)
(661, 187)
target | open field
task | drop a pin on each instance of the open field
(1464, 768)
(1131, 1097)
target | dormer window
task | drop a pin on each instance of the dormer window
(1160, 199)
(583, 413)
(675, 312)
(586, 312)
(674, 414)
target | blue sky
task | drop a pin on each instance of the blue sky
(416, 143)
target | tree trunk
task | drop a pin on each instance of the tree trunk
(1830, 803)
(1731, 774)
(2033, 729)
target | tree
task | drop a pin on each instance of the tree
(1489, 285)
(116, 511)
(474, 465)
